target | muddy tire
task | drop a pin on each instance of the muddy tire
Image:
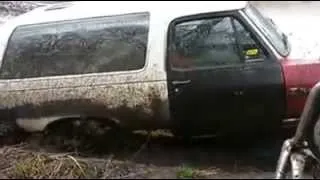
(81, 134)
(70, 134)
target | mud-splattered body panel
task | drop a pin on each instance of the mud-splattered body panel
(94, 67)
(133, 103)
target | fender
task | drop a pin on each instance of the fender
(299, 144)
(309, 114)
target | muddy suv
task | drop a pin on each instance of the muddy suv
(208, 67)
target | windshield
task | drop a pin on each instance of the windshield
(271, 32)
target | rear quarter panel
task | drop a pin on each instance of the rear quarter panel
(133, 103)
(137, 99)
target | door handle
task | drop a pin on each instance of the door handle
(254, 60)
(181, 82)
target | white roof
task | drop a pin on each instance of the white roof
(161, 12)
(84, 9)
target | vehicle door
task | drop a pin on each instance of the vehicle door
(205, 76)
(263, 98)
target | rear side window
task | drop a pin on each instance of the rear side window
(95, 45)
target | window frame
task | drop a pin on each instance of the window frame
(254, 38)
(143, 68)
(234, 14)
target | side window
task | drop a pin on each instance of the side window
(204, 43)
(95, 45)
(251, 50)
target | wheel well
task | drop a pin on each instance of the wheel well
(41, 124)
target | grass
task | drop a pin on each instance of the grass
(87, 155)
(20, 162)
(40, 156)
(24, 163)
(186, 172)
(43, 166)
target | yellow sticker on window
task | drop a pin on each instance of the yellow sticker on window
(252, 52)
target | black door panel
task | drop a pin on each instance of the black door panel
(205, 74)
(263, 92)
(219, 78)
(203, 99)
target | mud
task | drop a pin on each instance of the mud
(136, 99)
(167, 158)
(135, 155)
(134, 105)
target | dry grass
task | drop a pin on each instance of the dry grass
(22, 162)
(34, 158)
(19, 162)
(85, 155)
(40, 155)
(43, 166)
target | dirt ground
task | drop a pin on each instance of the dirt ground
(114, 154)
(132, 156)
